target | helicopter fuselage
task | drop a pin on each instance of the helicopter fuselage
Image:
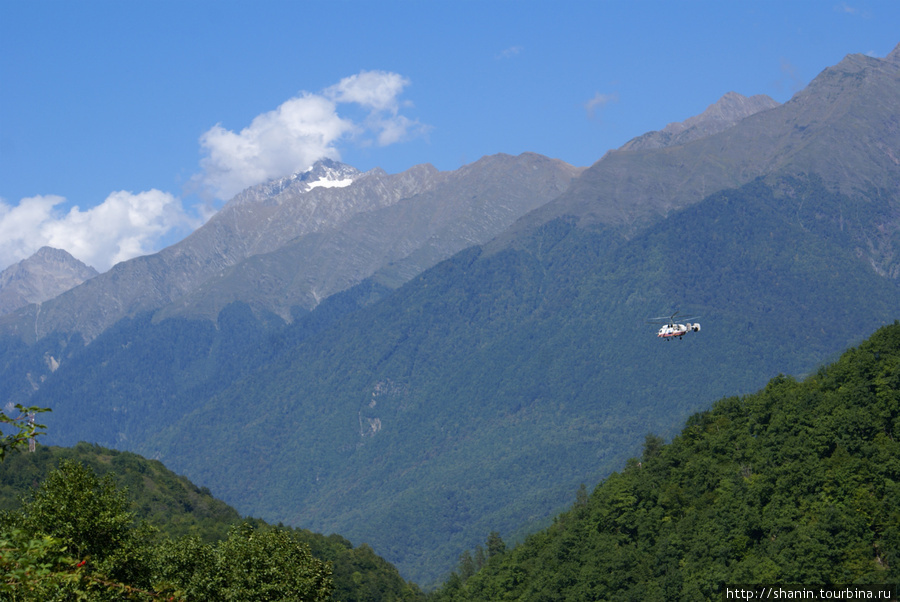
(670, 331)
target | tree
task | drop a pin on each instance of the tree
(581, 496)
(91, 517)
(76, 539)
(495, 545)
(652, 446)
(33, 568)
(73, 512)
(26, 429)
(480, 559)
(269, 565)
(466, 566)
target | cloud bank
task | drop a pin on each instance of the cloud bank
(303, 130)
(123, 226)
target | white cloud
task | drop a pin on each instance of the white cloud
(303, 130)
(123, 226)
(510, 52)
(849, 9)
(598, 102)
(290, 138)
(293, 136)
(377, 90)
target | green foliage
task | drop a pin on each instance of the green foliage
(91, 517)
(128, 520)
(75, 539)
(33, 568)
(798, 483)
(251, 564)
(359, 573)
(26, 430)
(495, 545)
(167, 501)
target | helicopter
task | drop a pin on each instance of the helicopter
(670, 329)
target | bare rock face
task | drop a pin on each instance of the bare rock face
(842, 129)
(728, 111)
(43, 276)
(294, 241)
(894, 56)
(412, 221)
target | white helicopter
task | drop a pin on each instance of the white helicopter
(671, 330)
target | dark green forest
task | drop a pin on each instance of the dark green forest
(97, 524)
(477, 397)
(798, 483)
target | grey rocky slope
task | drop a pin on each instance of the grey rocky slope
(728, 111)
(843, 127)
(394, 242)
(46, 274)
(467, 206)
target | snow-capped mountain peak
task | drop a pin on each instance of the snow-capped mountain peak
(324, 173)
(328, 174)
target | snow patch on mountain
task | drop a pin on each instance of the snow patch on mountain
(328, 183)
(325, 173)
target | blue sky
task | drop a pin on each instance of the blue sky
(123, 124)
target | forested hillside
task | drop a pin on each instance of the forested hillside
(127, 520)
(796, 484)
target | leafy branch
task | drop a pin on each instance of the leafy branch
(26, 429)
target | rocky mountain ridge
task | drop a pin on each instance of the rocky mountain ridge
(43, 276)
(845, 111)
(333, 210)
(325, 173)
(726, 112)
(391, 243)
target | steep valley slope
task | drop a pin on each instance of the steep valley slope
(794, 484)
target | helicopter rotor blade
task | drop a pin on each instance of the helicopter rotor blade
(663, 319)
(671, 319)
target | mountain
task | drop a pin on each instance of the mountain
(728, 111)
(43, 276)
(477, 396)
(481, 393)
(841, 127)
(798, 483)
(392, 243)
(169, 502)
(341, 221)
